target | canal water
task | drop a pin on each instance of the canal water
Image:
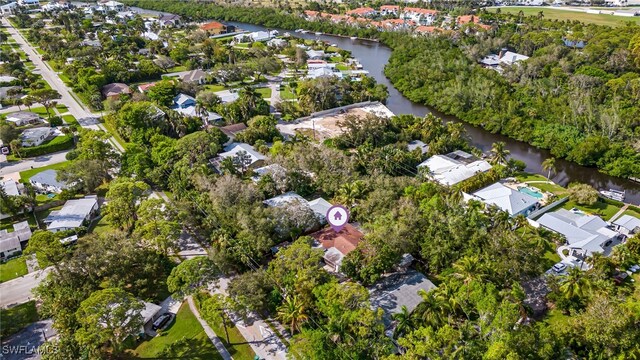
(374, 56)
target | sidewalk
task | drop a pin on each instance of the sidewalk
(263, 341)
(212, 335)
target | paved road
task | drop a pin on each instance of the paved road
(10, 109)
(50, 76)
(23, 345)
(207, 329)
(40, 161)
(18, 291)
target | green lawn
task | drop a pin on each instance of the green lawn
(536, 179)
(237, 345)
(13, 268)
(215, 88)
(40, 111)
(70, 119)
(265, 92)
(62, 108)
(102, 226)
(557, 14)
(287, 94)
(27, 174)
(183, 339)
(632, 213)
(18, 317)
(602, 208)
(342, 67)
(178, 68)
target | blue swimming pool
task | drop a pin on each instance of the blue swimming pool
(528, 191)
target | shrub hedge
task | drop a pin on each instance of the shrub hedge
(58, 143)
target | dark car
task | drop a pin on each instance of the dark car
(162, 321)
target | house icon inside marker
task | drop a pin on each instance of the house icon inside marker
(337, 216)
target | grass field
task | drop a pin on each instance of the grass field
(265, 92)
(601, 208)
(557, 14)
(17, 317)
(70, 119)
(184, 339)
(12, 269)
(27, 174)
(215, 88)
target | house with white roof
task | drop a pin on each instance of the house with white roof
(244, 157)
(36, 136)
(11, 242)
(319, 206)
(627, 225)
(10, 188)
(22, 118)
(323, 72)
(255, 36)
(8, 9)
(113, 6)
(512, 201)
(504, 58)
(417, 144)
(74, 214)
(454, 167)
(273, 170)
(585, 234)
(47, 182)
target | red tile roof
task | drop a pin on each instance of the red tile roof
(420, 11)
(344, 241)
(465, 19)
(389, 7)
(361, 11)
(214, 25)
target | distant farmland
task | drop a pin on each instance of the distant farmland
(559, 14)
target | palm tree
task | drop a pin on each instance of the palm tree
(15, 146)
(292, 311)
(549, 165)
(468, 269)
(403, 321)
(499, 153)
(350, 192)
(575, 284)
(431, 310)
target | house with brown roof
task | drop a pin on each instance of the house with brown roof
(337, 244)
(217, 28)
(114, 90)
(362, 12)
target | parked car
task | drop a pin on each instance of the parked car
(5, 150)
(161, 321)
(559, 267)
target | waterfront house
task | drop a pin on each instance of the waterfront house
(454, 167)
(507, 199)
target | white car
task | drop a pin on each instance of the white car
(559, 267)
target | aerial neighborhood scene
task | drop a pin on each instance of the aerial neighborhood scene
(186, 179)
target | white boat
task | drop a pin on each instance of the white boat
(304, 31)
(299, 30)
(613, 194)
(353, 38)
(318, 33)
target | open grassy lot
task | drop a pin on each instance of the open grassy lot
(12, 269)
(183, 339)
(40, 111)
(632, 213)
(559, 14)
(17, 317)
(27, 174)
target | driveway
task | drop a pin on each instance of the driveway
(23, 345)
(18, 291)
(33, 163)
